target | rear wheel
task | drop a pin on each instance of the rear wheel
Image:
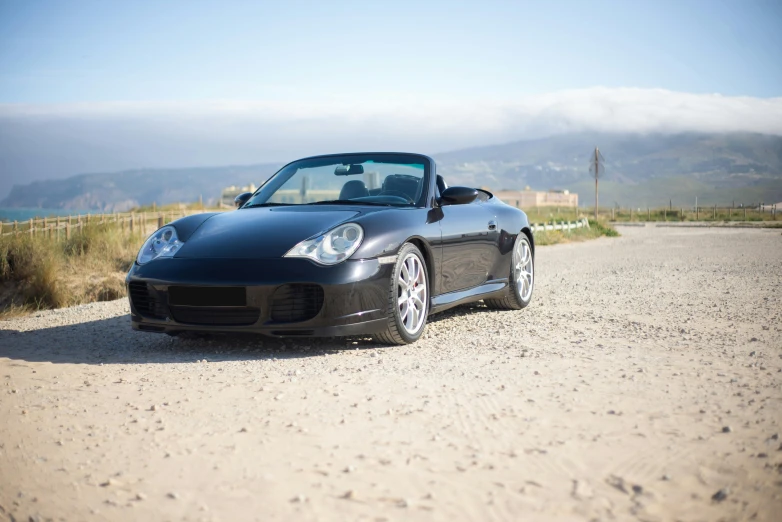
(408, 298)
(522, 278)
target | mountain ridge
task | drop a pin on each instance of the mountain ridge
(642, 169)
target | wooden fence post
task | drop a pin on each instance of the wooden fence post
(160, 221)
(16, 228)
(665, 214)
(714, 215)
(697, 216)
(745, 213)
(131, 222)
(68, 230)
(32, 230)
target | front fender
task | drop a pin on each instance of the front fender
(187, 225)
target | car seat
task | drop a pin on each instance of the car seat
(353, 189)
(407, 185)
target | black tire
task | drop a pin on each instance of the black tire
(514, 300)
(396, 332)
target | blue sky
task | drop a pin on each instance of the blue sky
(78, 51)
(100, 86)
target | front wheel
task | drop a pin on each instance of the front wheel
(522, 277)
(408, 298)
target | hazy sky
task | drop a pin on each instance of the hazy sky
(108, 85)
(77, 51)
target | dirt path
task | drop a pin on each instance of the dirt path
(642, 383)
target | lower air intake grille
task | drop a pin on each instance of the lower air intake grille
(146, 301)
(215, 316)
(296, 302)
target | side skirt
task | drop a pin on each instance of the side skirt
(493, 288)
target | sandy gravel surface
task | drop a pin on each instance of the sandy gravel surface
(643, 383)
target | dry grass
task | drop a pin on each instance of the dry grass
(596, 229)
(37, 273)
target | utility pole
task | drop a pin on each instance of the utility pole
(596, 167)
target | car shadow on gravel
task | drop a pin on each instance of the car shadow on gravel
(112, 341)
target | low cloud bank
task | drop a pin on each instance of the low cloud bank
(53, 141)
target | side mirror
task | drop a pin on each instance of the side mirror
(458, 195)
(242, 198)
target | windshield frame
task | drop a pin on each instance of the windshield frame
(279, 178)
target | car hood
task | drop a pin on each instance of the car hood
(259, 233)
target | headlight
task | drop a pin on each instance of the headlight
(163, 243)
(331, 248)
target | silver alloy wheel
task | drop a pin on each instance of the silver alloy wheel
(525, 271)
(411, 294)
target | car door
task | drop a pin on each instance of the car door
(470, 245)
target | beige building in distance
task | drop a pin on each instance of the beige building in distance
(533, 198)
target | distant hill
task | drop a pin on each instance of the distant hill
(642, 169)
(121, 191)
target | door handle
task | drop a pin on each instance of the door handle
(492, 225)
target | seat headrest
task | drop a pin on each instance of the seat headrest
(353, 189)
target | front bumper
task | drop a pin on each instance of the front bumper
(353, 300)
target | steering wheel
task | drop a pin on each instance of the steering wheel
(398, 194)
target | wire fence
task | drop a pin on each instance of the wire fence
(61, 227)
(544, 218)
(668, 213)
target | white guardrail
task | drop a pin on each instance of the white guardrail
(561, 225)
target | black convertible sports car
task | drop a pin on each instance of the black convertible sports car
(344, 244)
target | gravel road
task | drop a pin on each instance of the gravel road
(642, 383)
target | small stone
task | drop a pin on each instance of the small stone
(720, 495)
(278, 396)
(726, 429)
(173, 495)
(299, 499)
(243, 430)
(762, 455)
(666, 477)
(637, 489)
(350, 494)
(618, 483)
(141, 496)
(403, 503)
(153, 407)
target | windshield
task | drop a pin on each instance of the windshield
(365, 179)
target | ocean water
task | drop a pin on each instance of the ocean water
(23, 214)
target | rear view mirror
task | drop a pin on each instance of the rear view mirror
(458, 195)
(348, 170)
(242, 198)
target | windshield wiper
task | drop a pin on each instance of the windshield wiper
(255, 205)
(349, 202)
